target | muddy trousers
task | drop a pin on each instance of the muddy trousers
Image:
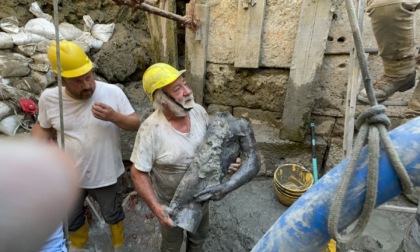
(393, 27)
(110, 203)
(172, 237)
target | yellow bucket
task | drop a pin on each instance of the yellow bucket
(291, 181)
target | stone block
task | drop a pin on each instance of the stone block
(212, 109)
(258, 116)
(274, 151)
(278, 38)
(256, 89)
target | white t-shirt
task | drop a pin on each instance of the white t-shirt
(165, 152)
(94, 144)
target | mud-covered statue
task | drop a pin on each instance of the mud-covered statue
(227, 138)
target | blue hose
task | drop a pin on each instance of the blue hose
(304, 226)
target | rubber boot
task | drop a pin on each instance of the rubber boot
(117, 234)
(79, 237)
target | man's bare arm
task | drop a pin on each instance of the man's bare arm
(144, 188)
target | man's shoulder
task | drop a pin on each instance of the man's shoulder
(199, 109)
(49, 92)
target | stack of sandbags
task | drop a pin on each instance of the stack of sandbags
(24, 67)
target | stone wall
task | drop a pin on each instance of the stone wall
(258, 94)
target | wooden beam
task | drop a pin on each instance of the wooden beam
(310, 44)
(249, 33)
(196, 52)
(164, 46)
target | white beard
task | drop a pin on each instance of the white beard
(178, 111)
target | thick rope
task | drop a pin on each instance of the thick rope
(373, 125)
(60, 95)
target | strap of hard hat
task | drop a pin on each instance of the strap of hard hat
(176, 102)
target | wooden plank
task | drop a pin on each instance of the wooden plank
(310, 45)
(164, 46)
(353, 86)
(196, 52)
(249, 33)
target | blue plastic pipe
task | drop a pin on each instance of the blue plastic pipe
(304, 226)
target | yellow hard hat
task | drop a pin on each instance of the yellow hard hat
(74, 61)
(157, 76)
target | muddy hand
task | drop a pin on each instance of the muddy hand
(217, 192)
(102, 111)
(165, 216)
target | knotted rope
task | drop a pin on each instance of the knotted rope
(373, 127)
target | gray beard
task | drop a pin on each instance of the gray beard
(177, 110)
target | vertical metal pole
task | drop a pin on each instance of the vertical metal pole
(60, 96)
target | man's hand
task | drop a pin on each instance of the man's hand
(234, 166)
(103, 112)
(164, 213)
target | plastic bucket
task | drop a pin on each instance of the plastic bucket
(291, 181)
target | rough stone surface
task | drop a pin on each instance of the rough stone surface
(126, 46)
(256, 89)
(258, 116)
(279, 32)
(212, 109)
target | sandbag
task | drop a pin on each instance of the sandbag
(42, 46)
(88, 23)
(41, 62)
(41, 27)
(7, 81)
(4, 110)
(69, 31)
(23, 38)
(36, 10)
(10, 24)
(84, 41)
(6, 41)
(10, 124)
(40, 58)
(103, 32)
(46, 79)
(13, 95)
(13, 64)
(39, 67)
(29, 85)
(27, 50)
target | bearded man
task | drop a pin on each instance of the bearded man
(165, 146)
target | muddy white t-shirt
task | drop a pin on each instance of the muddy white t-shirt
(92, 143)
(165, 152)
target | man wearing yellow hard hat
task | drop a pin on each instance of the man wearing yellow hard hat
(166, 144)
(93, 114)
